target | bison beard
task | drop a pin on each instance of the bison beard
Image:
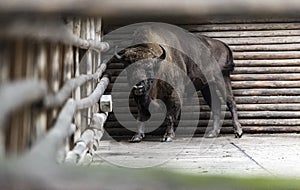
(152, 60)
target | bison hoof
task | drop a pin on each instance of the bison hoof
(212, 134)
(167, 139)
(137, 138)
(238, 134)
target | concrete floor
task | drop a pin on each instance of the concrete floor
(259, 154)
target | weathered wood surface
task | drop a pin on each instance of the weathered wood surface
(51, 49)
(253, 155)
(265, 79)
(153, 8)
(251, 25)
(56, 31)
(89, 138)
(95, 96)
(58, 98)
(30, 91)
(225, 163)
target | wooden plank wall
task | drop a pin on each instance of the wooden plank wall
(266, 77)
(55, 63)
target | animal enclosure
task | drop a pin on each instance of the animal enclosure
(40, 54)
(53, 73)
(265, 80)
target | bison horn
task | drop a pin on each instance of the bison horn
(116, 54)
(163, 55)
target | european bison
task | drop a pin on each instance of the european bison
(207, 63)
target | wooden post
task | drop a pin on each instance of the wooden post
(53, 78)
(40, 73)
(89, 67)
(4, 76)
(77, 96)
(26, 129)
(15, 135)
(87, 139)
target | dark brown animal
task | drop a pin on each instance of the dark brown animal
(205, 61)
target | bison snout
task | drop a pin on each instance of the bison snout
(139, 90)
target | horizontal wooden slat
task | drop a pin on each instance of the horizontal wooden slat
(244, 122)
(265, 70)
(219, 20)
(235, 84)
(206, 115)
(234, 77)
(115, 66)
(242, 77)
(240, 107)
(249, 92)
(267, 99)
(266, 47)
(259, 33)
(269, 63)
(238, 99)
(116, 132)
(217, 34)
(119, 36)
(252, 77)
(267, 92)
(239, 63)
(265, 84)
(241, 27)
(267, 55)
(261, 40)
(269, 107)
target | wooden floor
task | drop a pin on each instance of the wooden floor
(263, 154)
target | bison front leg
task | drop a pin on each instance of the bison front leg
(140, 134)
(210, 96)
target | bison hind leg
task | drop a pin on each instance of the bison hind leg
(173, 114)
(170, 133)
(231, 104)
(211, 97)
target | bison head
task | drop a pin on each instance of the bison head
(145, 57)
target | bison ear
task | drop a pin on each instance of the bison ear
(119, 56)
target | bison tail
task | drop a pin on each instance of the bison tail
(229, 65)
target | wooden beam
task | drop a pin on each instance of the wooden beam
(95, 96)
(267, 55)
(93, 133)
(60, 97)
(47, 148)
(242, 27)
(155, 7)
(16, 94)
(56, 31)
(261, 63)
